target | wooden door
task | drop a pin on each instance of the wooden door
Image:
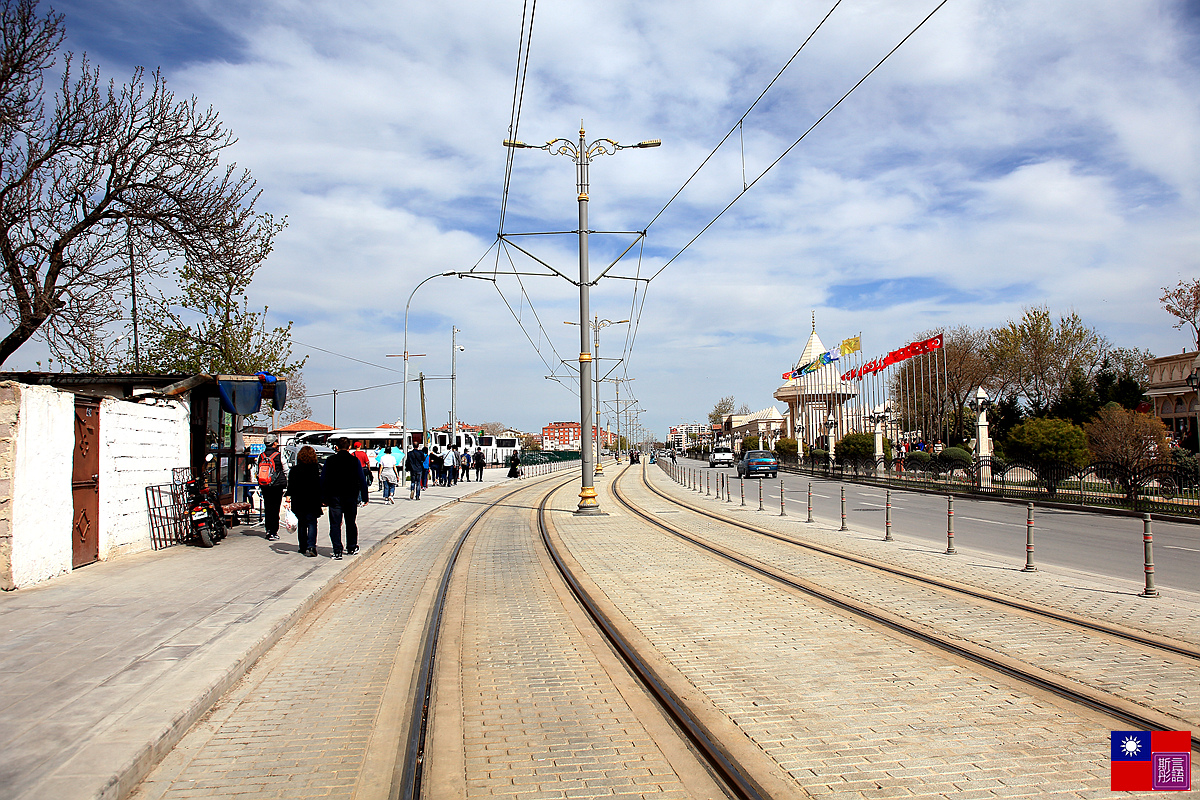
(85, 483)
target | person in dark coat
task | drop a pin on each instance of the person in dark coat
(514, 466)
(304, 489)
(416, 470)
(343, 485)
(272, 480)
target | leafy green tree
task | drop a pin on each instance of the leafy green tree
(1041, 439)
(1035, 357)
(786, 449)
(209, 327)
(722, 409)
(750, 443)
(855, 447)
(1078, 401)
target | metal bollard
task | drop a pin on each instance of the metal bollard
(843, 528)
(782, 510)
(1148, 544)
(950, 525)
(1029, 567)
(708, 484)
(887, 517)
(743, 482)
(810, 519)
(760, 505)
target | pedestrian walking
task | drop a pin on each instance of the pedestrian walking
(436, 459)
(343, 485)
(450, 466)
(416, 470)
(388, 477)
(464, 463)
(272, 480)
(365, 461)
(478, 460)
(304, 489)
(514, 466)
(425, 470)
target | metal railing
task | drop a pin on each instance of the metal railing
(1160, 487)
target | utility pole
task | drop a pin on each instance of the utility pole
(454, 349)
(335, 408)
(424, 424)
(582, 154)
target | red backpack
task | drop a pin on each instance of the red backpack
(266, 469)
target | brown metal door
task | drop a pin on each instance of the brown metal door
(85, 483)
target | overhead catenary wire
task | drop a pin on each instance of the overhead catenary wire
(790, 147)
(525, 42)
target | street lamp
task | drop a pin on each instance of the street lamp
(597, 324)
(830, 425)
(455, 349)
(583, 153)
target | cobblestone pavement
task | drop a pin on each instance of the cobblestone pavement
(540, 707)
(1176, 614)
(299, 722)
(1147, 677)
(849, 710)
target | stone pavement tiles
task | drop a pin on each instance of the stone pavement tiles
(847, 709)
(103, 668)
(298, 723)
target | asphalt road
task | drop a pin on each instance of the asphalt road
(1101, 544)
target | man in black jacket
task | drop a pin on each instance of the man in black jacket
(343, 484)
(415, 461)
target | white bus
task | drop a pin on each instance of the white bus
(496, 449)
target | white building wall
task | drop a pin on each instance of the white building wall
(140, 443)
(41, 485)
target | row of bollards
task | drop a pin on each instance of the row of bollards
(693, 480)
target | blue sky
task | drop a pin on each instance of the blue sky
(1012, 153)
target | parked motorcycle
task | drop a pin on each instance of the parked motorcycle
(204, 514)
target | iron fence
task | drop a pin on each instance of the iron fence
(1161, 487)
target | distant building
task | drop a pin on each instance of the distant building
(1174, 402)
(683, 434)
(566, 436)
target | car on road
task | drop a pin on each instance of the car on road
(720, 456)
(758, 462)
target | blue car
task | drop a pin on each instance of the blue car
(758, 462)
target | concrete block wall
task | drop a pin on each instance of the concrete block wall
(140, 443)
(41, 485)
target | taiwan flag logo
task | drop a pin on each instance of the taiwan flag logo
(1151, 761)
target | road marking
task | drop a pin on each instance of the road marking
(988, 521)
(1176, 547)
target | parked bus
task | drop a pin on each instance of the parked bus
(496, 449)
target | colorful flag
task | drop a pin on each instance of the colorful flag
(1142, 761)
(851, 345)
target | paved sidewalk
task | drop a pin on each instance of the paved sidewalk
(103, 670)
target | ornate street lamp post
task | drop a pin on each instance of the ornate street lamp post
(583, 153)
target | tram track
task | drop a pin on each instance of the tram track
(722, 760)
(1128, 710)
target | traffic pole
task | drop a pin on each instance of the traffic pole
(742, 480)
(950, 525)
(810, 519)
(708, 484)
(843, 528)
(1029, 567)
(782, 510)
(887, 517)
(760, 505)
(1148, 544)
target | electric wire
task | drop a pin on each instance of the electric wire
(792, 146)
(737, 126)
(514, 122)
(343, 355)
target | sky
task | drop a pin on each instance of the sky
(1011, 153)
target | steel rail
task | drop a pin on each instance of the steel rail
(1138, 637)
(406, 777)
(720, 760)
(1094, 698)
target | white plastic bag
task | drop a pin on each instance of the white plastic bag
(287, 517)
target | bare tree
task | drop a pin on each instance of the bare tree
(93, 171)
(1126, 437)
(297, 407)
(1183, 303)
(493, 428)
